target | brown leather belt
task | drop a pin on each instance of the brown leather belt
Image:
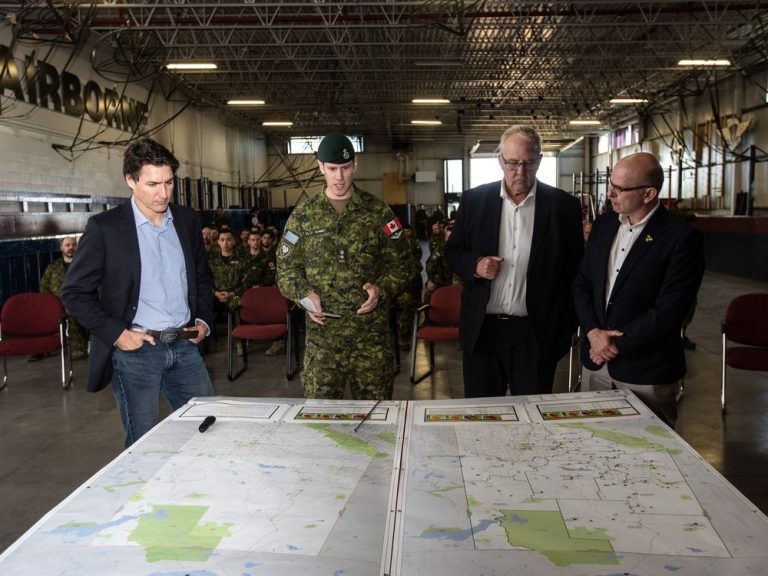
(167, 336)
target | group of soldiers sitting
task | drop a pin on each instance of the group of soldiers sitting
(238, 263)
(241, 261)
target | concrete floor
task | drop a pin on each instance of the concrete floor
(51, 441)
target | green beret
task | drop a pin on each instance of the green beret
(336, 149)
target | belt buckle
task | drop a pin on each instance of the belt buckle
(169, 335)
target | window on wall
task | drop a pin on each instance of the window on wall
(604, 143)
(484, 170)
(309, 144)
(453, 176)
(626, 136)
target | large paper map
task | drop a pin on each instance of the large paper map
(595, 487)
(563, 484)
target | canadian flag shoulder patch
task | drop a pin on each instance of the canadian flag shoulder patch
(392, 227)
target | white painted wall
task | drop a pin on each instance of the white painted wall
(90, 158)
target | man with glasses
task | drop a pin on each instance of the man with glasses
(636, 284)
(516, 245)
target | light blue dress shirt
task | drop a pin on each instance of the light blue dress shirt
(163, 290)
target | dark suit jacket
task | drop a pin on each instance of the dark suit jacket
(653, 293)
(556, 249)
(102, 286)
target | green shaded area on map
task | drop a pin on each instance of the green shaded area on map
(388, 437)
(112, 487)
(546, 532)
(619, 438)
(437, 491)
(348, 441)
(657, 430)
(172, 532)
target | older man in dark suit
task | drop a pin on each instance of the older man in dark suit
(636, 284)
(516, 245)
(140, 284)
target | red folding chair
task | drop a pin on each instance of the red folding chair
(746, 323)
(264, 314)
(441, 324)
(35, 323)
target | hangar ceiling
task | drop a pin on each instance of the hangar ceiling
(356, 66)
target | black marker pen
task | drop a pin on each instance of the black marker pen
(207, 423)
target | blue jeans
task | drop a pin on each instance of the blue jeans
(176, 370)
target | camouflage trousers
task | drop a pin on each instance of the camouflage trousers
(78, 336)
(353, 350)
(406, 308)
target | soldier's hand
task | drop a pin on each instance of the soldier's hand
(374, 294)
(316, 317)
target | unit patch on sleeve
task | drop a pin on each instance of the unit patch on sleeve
(393, 228)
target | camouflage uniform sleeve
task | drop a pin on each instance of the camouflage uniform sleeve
(46, 280)
(397, 259)
(291, 274)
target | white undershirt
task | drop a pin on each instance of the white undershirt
(625, 238)
(508, 290)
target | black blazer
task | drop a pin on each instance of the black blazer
(651, 298)
(556, 250)
(101, 288)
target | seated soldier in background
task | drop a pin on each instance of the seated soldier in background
(227, 275)
(260, 270)
(51, 282)
(437, 238)
(410, 298)
(242, 243)
(439, 273)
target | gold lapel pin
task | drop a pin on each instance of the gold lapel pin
(648, 238)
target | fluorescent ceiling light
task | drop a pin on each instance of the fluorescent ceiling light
(430, 101)
(426, 122)
(277, 123)
(628, 100)
(718, 62)
(191, 66)
(245, 102)
(439, 63)
(585, 122)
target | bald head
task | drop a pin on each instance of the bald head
(636, 181)
(646, 167)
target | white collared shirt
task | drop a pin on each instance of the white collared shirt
(508, 290)
(625, 238)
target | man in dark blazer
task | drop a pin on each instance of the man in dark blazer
(516, 245)
(636, 284)
(140, 284)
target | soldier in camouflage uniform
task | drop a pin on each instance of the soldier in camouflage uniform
(261, 266)
(410, 298)
(438, 272)
(51, 282)
(227, 274)
(261, 270)
(437, 238)
(344, 250)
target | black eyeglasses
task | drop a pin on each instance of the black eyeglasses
(621, 189)
(515, 164)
